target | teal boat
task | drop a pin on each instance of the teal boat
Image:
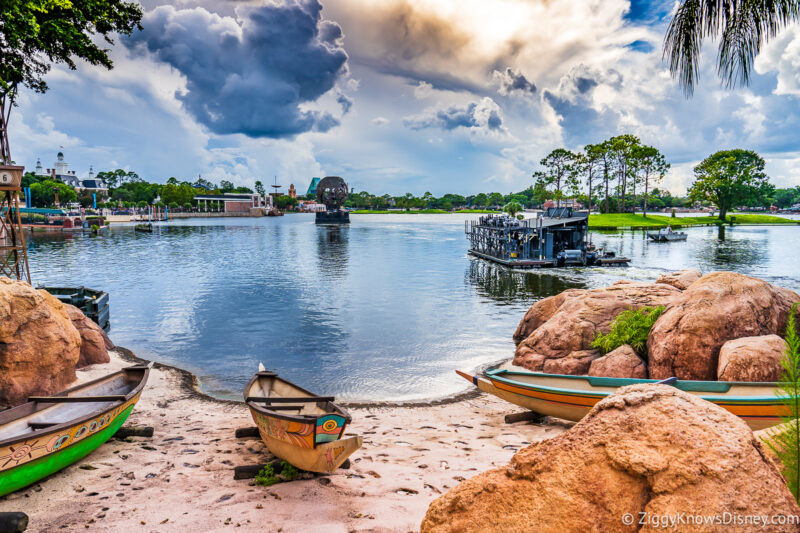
(49, 433)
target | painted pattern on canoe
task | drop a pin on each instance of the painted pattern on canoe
(295, 433)
(27, 462)
(43, 444)
(329, 428)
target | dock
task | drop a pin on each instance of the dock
(557, 238)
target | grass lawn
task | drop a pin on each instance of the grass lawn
(377, 212)
(628, 220)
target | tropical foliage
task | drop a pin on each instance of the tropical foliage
(630, 327)
(785, 439)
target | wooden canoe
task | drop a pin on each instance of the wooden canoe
(298, 426)
(572, 397)
(48, 433)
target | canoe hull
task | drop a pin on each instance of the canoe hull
(294, 443)
(22, 464)
(572, 404)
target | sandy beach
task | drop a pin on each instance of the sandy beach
(182, 479)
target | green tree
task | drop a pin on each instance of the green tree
(285, 202)
(541, 192)
(729, 178)
(623, 148)
(495, 199)
(226, 186)
(260, 188)
(512, 208)
(560, 166)
(589, 164)
(480, 200)
(172, 181)
(37, 33)
(43, 193)
(653, 167)
(741, 27)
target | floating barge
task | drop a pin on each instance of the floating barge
(93, 303)
(557, 238)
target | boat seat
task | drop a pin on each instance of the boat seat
(263, 399)
(77, 399)
(42, 425)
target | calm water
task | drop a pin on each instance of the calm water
(383, 309)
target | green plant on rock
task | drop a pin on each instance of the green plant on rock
(267, 475)
(784, 440)
(630, 327)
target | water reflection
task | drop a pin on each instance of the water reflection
(332, 250)
(506, 286)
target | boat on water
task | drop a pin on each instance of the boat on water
(666, 236)
(144, 228)
(572, 397)
(93, 302)
(298, 426)
(49, 433)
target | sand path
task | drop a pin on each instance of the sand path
(181, 479)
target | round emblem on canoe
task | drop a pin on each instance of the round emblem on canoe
(81, 432)
(329, 425)
(57, 442)
(93, 426)
(21, 452)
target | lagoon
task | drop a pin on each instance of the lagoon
(383, 309)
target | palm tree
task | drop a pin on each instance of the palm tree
(742, 26)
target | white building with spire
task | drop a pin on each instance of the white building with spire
(61, 172)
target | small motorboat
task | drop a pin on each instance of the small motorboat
(666, 236)
(143, 228)
(572, 397)
(49, 433)
(297, 425)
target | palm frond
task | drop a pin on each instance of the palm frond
(742, 26)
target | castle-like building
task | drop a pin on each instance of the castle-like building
(61, 172)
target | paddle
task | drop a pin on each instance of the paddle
(668, 381)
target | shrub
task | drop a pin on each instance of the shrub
(785, 439)
(629, 327)
(267, 476)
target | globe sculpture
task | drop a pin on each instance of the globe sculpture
(333, 191)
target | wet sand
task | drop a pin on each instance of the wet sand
(181, 479)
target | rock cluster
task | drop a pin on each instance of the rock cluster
(702, 313)
(40, 345)
(647, 448)
(94, 341)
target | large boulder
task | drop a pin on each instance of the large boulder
(680, 279)
(751, 359)
(721, 306)
(39, 346)
(94, 341)
(647, 448)
(623, 362)
(542, 311)
(576, 321)
(576, 363)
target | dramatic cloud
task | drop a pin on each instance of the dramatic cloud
(253, 75)
(344, 101)
(511, 82)
(484, 114)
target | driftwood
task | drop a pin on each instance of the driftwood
(13, 522)
(531, 416)
(243, 433)
(133, 431)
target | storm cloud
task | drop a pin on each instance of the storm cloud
(484, 114)
(512, 82)
(255, 74)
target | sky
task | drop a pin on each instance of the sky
(396, 96)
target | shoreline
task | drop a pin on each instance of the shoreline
(411, 455)
(192, 385)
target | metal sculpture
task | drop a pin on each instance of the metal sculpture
(333, 192)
